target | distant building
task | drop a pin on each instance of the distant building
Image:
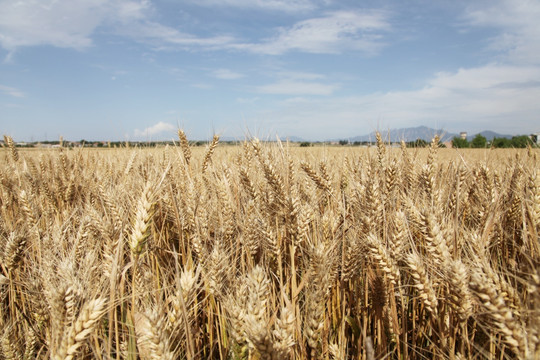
(535, 138)
(463, 135)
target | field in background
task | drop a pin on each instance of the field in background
(262, 251)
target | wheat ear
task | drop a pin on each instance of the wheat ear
(383, 258)
(209, 152)
(497, 309)
(141, 226)
(87, 320)
(11, 145)
(184, 144)
(284, 330)
(422, 283)
(152, 338)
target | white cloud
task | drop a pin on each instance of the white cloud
(8, 90)
(298, 83)
(300, 75)
(487, 77)
(251, 100)
(293, 87)
(278, 5)
(71, 24)
(163, 37)
(297, 100)
(519, 39)
(332, 34)
(158, 128)
(49, 22)
(132, 9)
(226, 74)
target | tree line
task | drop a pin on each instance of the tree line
(480, 141)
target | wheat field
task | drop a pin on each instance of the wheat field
(269, 251)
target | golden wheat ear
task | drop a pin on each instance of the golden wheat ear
(81, 329)
(184, 144)
(8, 140)
(209, 152)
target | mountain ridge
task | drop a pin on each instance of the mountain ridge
(423, 133)
(392, 135)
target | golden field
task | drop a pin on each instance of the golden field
(269, 251)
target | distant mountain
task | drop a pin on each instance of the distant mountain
(292, 139)
(424, 133)
(227, 139)
(271, 139)
(392, 135)
(407, 134)
(489, 135)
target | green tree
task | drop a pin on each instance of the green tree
(458, 142)
(501, 143)
(418, 143)
(520, 141)
(305, 144)
(479, 141)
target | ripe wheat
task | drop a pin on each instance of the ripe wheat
(269, 251)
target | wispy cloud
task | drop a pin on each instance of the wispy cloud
(293, 87)
(250, 100)
(226, 74)
(71, 24)
(57, 23)
(334, 33)
(277, 5)
(298, 83)
(162, 37)
(155, 129)
(8, 90)
(300, 75)
(519, 40)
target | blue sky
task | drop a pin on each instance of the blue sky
(316, 69)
